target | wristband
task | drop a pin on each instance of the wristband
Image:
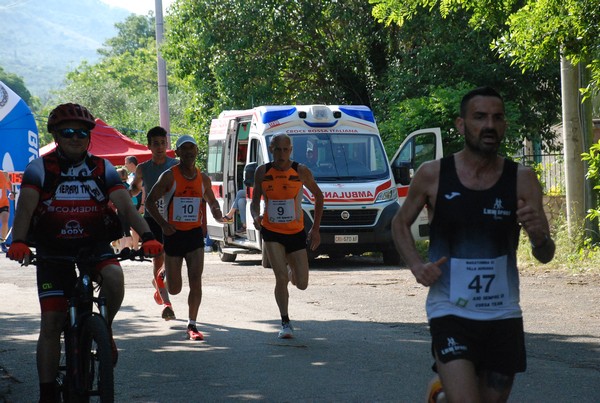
(148, 236)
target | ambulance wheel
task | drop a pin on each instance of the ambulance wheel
(265, 260)
(391, 257)
(226, 257)
(336, 255)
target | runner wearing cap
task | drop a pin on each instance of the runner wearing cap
(181, 189)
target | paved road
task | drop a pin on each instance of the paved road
(360, 327)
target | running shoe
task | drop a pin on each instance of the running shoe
(168, 313)
(4, 248)
(287, 331)
(193, 333)
(435, 392)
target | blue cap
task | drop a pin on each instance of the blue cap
(185, 139)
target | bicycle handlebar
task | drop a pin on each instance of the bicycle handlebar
(124, 254)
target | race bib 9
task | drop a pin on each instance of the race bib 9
(281, 211)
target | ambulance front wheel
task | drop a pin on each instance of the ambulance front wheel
(225, 257)
(391, 257)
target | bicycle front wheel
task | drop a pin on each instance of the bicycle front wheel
(96, 361)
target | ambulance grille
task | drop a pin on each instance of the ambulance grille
(356, 217)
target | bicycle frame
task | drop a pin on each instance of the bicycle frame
(87, 371)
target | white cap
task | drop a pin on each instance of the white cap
(185, 139)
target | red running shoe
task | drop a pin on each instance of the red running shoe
(193, 333)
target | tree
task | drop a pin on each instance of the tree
(437, 60)
(238, 54)
(529, 33)
(122, 87)
(17, 84)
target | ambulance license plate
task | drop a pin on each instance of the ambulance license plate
(346, 238)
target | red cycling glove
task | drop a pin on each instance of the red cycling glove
(152, 248)
(18, 250)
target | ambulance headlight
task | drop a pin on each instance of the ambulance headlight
(387, 195)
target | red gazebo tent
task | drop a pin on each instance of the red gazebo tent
(109, 143)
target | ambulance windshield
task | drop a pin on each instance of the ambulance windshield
(341, 157)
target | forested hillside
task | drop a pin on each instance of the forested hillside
(43, 39)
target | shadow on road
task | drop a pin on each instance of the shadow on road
(337, 360)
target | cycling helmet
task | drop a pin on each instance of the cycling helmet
(67, 112)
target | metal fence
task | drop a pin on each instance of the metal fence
(550, 169)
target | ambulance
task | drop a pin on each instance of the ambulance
(342, 147)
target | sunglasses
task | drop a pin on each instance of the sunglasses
(79, 133)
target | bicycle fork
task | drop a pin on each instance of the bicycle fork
(80, 309)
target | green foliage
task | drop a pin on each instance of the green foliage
(592, 158)
(16, 83)
(574, 253)
(121, 88)
(529, 33)
(239, 54)
(432, 71)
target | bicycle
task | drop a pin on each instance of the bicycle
(86, 368)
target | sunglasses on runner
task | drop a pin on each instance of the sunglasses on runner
(79, 133)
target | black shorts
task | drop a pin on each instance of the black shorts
(154, 228)
(4, 208)
(183, 242)
(291, 242)
(56, 281)
(493, 345)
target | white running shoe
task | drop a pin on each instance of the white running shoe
(287, 331)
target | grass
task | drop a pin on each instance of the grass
(569, 258)
(573, 254)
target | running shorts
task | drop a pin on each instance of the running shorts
(183, 242)
(291, 242)
(493, 345)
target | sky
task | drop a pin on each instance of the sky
(138, 6)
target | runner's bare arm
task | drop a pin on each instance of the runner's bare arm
(531, 215)
(256, 196)
(308, 180)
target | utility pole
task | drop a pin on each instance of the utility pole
(573, 147)
(163, 91)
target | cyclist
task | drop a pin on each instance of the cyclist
(63, 208)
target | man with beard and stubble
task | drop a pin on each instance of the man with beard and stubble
(478, 201)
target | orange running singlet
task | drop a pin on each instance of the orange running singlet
(283, 200)
(183, 201)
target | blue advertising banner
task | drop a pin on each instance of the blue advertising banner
(18, 138)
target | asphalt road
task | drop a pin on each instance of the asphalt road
(361, 336)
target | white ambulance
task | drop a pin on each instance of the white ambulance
(342, 147)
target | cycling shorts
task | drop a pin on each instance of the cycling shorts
(492, 345)
(56, 280)
(291, 242)
(183, 242)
